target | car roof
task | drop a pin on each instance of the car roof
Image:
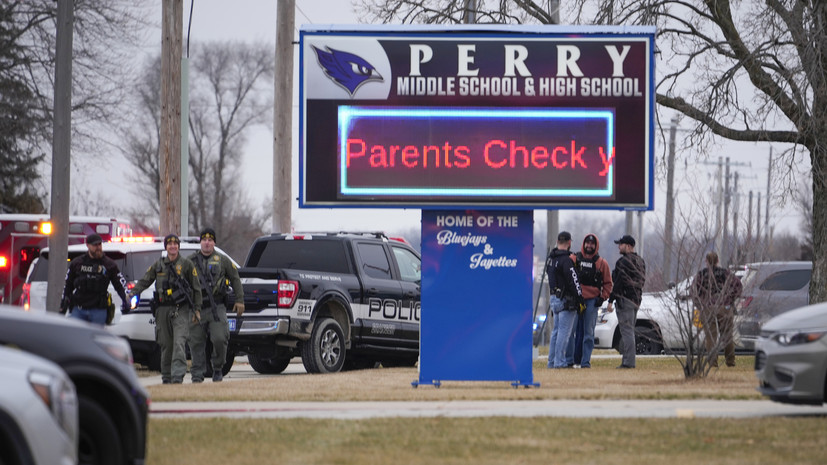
(797, 264)
(129, 247)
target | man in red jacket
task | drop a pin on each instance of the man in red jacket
(596, 281)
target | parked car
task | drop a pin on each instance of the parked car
(38, 411)
(791, 356)
(659, 321)
(770, 289)
(112, 403)
(133, 259)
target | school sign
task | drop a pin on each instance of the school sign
(476, 116)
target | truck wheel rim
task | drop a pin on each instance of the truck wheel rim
(331, 348)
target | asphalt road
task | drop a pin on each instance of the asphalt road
(689, 408)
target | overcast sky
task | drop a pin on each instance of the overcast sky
(255, 20)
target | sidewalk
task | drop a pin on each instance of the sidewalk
(690, 408)
(686, 408)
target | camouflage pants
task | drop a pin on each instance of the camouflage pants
(219, 334)
(171, 329)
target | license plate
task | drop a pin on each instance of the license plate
(231, 322)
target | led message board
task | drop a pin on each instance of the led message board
(494, 117)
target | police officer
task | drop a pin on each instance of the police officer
(178, 294)
(596, 282)
(87, 281)
(629, 277)
(216, 272)
(565, 298)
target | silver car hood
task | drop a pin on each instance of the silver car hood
(809, 317)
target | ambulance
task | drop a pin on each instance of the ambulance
(23, 235)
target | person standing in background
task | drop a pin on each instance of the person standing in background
(565, 298)
(629, 277)
(596, 282)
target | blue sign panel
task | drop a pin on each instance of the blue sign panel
(476, 296)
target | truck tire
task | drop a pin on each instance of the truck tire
(268, 366)
(324, 352)
(98, 441)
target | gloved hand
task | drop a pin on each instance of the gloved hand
(64, 306)
(196, 316)
(125, 307)
(238, 308)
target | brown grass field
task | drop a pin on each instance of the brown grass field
(488, 440)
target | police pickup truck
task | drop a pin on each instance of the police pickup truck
(337, 300)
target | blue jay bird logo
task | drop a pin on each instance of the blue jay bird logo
(346, 69)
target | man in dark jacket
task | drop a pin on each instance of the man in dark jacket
(87, 282)
(565, 298)
(714, 291)
(628, 277)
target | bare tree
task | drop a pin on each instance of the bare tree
(141, 143)
(746, 71)
(229, 94)
(105, 34)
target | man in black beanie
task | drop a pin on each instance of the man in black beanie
(216, 272)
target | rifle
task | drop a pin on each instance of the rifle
(206, 283)
(183, 288)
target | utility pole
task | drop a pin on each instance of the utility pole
(670, 203)
(750, 246)
(283, 118)
(758, 226)
(724, 250)
(170, 163)
(61, 155)
(767, 216)
(552, 216)
(718, 196)
(735, 196)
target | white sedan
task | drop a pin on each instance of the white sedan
(665, 320)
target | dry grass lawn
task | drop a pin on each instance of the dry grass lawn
(654, 378)
(484, 441)
(489, 440)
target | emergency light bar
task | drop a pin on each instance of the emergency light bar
(132, 239)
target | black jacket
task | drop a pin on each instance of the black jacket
(562, 278)
(629, 276)
(87, 281)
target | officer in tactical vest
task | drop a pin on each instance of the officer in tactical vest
(596, 282)
(216, 273)
(178, 301)
(565, 299)
(87, 281)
